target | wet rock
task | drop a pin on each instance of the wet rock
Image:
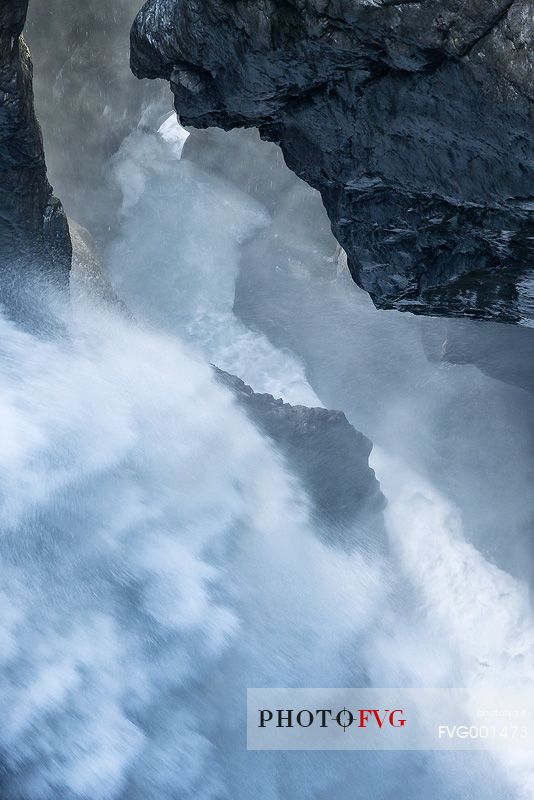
(34, 235)
(327, 453)
(413, 120)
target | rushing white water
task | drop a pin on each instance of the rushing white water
(151, 541)
(421, 522)
(189, 226)
(158, 557)
(481, 612)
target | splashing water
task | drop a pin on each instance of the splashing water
(158, 557)
(189, 226)
(152, 542)
(482, 613)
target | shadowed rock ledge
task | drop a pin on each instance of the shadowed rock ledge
(34, 235)
(327, 453)
(413, 119)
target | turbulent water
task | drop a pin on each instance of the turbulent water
(151, 541)
(158, 556)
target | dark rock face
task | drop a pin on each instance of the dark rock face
(34, 235)
(324, 450)
(413, 119)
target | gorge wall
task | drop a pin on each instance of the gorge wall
(413, 120)
(34, 235)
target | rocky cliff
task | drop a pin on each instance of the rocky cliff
(413, 119)
(328, 454)
(34, 235)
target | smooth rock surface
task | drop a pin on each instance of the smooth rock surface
(413, 119)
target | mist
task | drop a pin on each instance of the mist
(159, 556)
(86, 99)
